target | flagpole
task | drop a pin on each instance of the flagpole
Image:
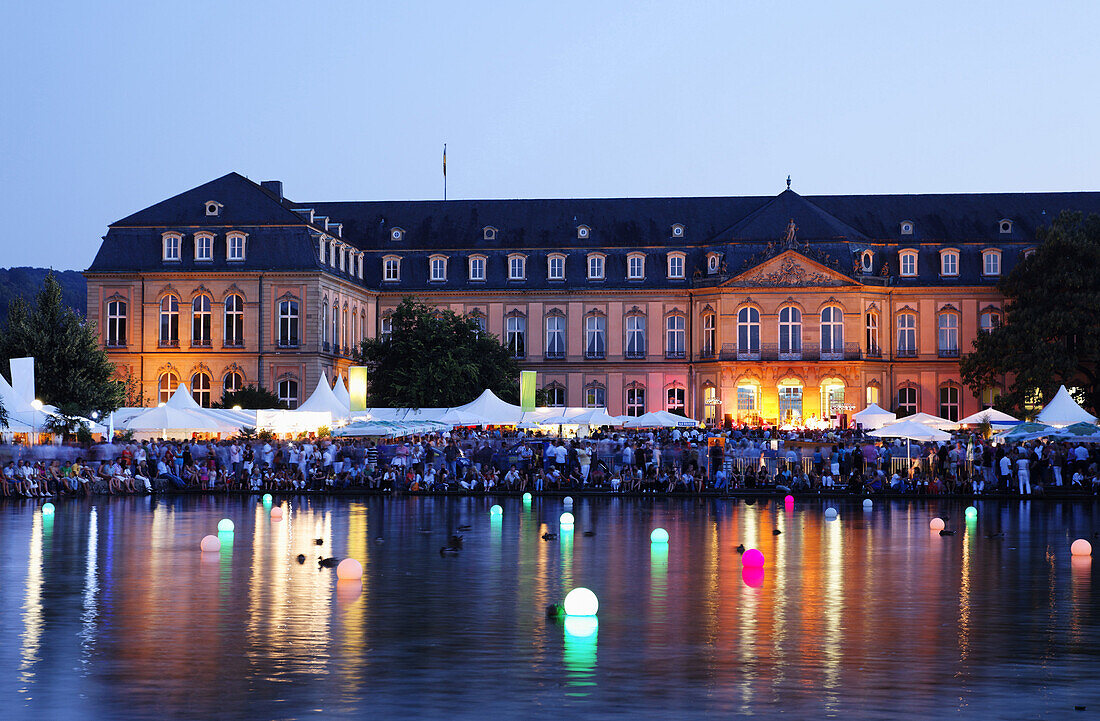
(444, 171)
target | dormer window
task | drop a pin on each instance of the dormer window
(391, 268)
(555, 266)
(583, 231)
(677, 231)
(991, 262)
(635, 266)
(170, 246)
(438, 268)
(517, 267)
(477, 267)
(204, 246)
(712, 263)
(397, 234)
(676, 265)
(332, 253)
(488, 233)
(595, 266)
(907, 260)
(949, 262)
(234, 245)
(867, 261)
(1005, 225)
(906, 227)
(213, 207)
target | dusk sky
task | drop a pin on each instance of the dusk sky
(109, 108)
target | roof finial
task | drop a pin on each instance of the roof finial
(788, 182)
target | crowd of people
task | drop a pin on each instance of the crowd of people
(690, 461)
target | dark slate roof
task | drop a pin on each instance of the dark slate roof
(812, 222)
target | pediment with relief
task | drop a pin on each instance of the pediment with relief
(788, 270)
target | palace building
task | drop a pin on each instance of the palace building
(774, 308)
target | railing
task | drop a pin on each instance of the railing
(873, 352)
(771, 352)
(591, 354)
(785, 355)
(287, 343)
(233, 343)
(634, 355)
(707, 354)
(555, 355)
(169, 343)
(949, 352)
(200, 342)
(750, 354)
(906, 353)
(675, 354)
(115, 345)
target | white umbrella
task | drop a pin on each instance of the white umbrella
(594, 417)
(659, 419)
(911, 430)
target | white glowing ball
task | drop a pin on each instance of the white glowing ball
(581, 602)
(1081, 547)
(349, 570)
(225, 526)
(210, 544)
(267, 498)
(830, 512)
(47, 509)
(495, 510)
(658, 535)
(526, 497)
(867, 503)
(566, 519)
(277, 513)
(568, 501)
(936, 524)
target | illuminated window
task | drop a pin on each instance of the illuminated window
(635, 400)
(200, 389)
(200, 321)
(832, 331)
(169, 320)
(288, 393)
(166, 385)
(116, 323)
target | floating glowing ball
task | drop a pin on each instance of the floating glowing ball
(752, 558)
(47, 509)
(349, 570)
(210, 544)
(830, 512)
(753, 576)
(566, 519)
(788, 499)
(568, 501)
(526, 497)
(971, 512)
(581, 602)
(277, 513)
(267, 498)
(495, 510)
(348, 591)
(936, 524)
(1081, 547)
(868, 503)
(658, 535)
(581, 626)
(225, 526)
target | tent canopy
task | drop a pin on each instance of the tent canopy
(492, 410)
(594, 417)
(341, 392)
(991, 415)
(930, 420)
(874, 416)
(324, 401)
(659, 419)
(1063, 411)
(911, 430)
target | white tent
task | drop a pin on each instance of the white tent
(181, 414)
(911, 430)
(341, 392)
(324, 400)
(492, 410)
(929, 420)
(659, 419)
(594, 417)
(1064, 411)
(874, 416)
(989, 415)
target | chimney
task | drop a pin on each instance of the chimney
(275, 187)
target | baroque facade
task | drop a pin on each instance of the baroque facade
(778, 308)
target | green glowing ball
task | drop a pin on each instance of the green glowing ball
(267, 498)
(971, 512)
(495, 510)
(225, 526)
(526, 497)
(658, 535)
(581, 602)
(47, 509)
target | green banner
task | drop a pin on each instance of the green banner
(527, 390)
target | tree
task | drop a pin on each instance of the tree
(1051, 333)
(72, 372)
(250, 397)
(435, 358)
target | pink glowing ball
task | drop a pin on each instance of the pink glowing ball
(210, 544)
(788, 500)
(936, 524)
(752, 558)
(349, 570)
(1081, 547)
(277, 513)
(753, 577)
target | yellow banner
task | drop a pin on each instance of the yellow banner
(357, 387)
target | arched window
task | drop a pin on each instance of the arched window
(555, 336)
(116, 323)
(595, 396)
(391, 268)
(675, 345)
(324, 324)
(907, 335)
(676, 265)
(363, 325)
(477, 267)
(232, 382)
(908, 260)
(989, 320)
(907, 401)
(710, 334)
(949, 402)
(991, 262)
(635, 266)
(595, 266)
(949, 262)
(635, 336)
(748, 333)
(554, 395)
(555, 266)
(871, 327)
(344, 327)
(354, 327)
(288, 393)
(675, 399)
(516, 335)
(635, 400)
(169, 321)
(949, 335)
(204, 246)
(200, 321)
(335, 328)
(200, 389)
(171, 246)
(234, 248)
(595, 336)
(832, 333)
(166, 385)
(288, 323)
(790, 333)
(234, 320)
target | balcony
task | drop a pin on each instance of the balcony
(595, 354)
(750, 354)
(200, 342)
(906, 353)
(949, 352)
(675, 353)
(169, 343)
(634, 355)
(771, 352)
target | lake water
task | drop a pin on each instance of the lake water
(110, 611)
